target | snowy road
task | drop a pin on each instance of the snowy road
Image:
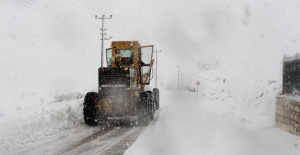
(194, 124)
(186, 123)
(58, 128)
(106, 140)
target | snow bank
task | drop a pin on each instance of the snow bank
(249, 90)
(34, 123)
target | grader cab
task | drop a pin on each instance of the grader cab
(122, 85)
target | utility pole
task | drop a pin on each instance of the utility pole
(156, 67)
(102, 34)
(178, 75)
(181, 80)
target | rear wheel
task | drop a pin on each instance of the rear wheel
(150, 103)
(143, 117)
(156, 97)
(90, 109)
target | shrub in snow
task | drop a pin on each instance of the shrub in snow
(67, 97)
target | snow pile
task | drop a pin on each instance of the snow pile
(37, 122)
(249, 91)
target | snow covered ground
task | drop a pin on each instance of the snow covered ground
(33, 124)
(234, 113)
(195, 124)
(187, 123)
(229, 115)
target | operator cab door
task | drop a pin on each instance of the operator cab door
(146, 61)
(108, 57)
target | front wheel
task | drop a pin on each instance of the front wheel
(90, 109)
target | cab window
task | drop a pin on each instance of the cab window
(126, 57)
(108, 57)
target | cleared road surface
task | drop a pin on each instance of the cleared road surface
(111, 139)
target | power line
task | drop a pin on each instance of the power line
(44, 13)
(41, 9)
(56, 8)
(34, 9)
(63, 9)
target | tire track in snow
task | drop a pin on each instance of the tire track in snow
(115, 141)
(120, 147)
(107, 139)
(92, 137)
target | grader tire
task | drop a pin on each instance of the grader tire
(156, 97)
(150, 103)
(143, 117)
(90, 109)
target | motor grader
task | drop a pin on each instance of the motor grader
(122, 86)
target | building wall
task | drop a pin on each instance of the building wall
(288, 113)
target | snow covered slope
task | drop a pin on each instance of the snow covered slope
(35, 123)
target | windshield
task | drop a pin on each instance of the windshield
(126, 53)
(127, 57)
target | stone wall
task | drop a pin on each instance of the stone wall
(288, 113)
